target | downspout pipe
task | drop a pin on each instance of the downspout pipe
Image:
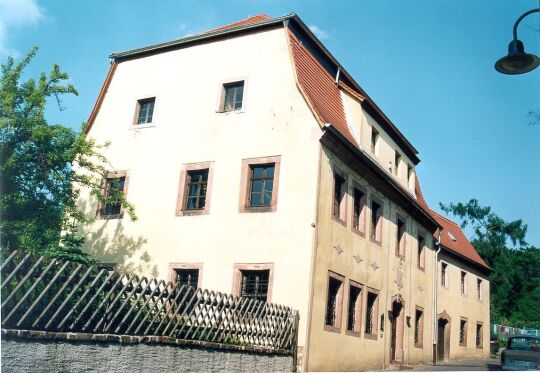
(435, 297)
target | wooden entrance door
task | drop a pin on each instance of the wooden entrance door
(396, 332)
(440, 339)
(393, 334)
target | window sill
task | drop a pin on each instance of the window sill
(378, 243)
(421, 269)
(418, 345)
(332, 329)
(359, 232)
(191, 212)
(258, 209)
(338, 220)
(141, 126)
(462, 345)
(480, 347)
(443, 287)
(373, 337)
(464, 295)
(110, 217)
(353, 334)
(239, 111)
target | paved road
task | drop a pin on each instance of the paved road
(457, 365)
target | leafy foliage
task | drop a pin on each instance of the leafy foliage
(515, 280)
(44, 167)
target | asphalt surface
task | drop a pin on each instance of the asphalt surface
(460, 365)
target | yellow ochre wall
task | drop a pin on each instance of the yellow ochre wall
(377, 269)
(456, 305)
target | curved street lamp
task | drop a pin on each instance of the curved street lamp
(517, 61)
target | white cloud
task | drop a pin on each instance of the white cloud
(321, 34)
(16, 13)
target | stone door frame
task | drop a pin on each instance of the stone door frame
(443, 317)
(399, 321)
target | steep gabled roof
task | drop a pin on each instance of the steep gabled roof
(319, 88)
(452, 237)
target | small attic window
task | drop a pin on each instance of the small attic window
(452, 237)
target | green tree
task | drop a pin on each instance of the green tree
(44, 167)
(515, 280)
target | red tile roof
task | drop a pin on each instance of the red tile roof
(452, 237)
(319, 88)
(323, 94)
(257, 18)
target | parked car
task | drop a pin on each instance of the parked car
(522, 353)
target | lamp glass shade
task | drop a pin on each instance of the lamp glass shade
(517, 61)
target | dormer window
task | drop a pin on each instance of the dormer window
(452, 237)
(409, 174)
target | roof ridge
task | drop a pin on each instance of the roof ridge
(253, 19)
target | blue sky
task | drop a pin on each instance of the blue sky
(428, 64)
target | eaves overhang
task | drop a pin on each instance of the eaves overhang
(202, 37)
(386, 182)
(483, 269)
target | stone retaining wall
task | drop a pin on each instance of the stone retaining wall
(32, 351)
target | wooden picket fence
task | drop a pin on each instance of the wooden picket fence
(47, 294)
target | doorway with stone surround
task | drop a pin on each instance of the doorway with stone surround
(397, 320)
(443, 336)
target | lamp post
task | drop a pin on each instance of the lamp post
(517, 61)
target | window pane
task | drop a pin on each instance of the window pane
(255, 199)
(114, 187)
(268, 185)
(370, 310)
(258, 172)
(201, 203)
(142, 115)
(267, 200)
(256, 186)
(255, 284)
(197, 185)
(189, 277)
(331, 302)
(192, 203)
(261, 185)
(233, 96)
(146, 111)
(354, 299)
(339, 185)
(193, 190)
(240, 90)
